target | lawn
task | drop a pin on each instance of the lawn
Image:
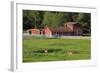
(55, 49)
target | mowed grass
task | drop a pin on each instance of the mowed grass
(58, 49)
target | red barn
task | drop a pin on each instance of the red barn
(47, 31)
(70, 28)
(34, 31)
(74, 27)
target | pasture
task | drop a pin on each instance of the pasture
(55, 49)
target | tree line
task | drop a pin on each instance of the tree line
(40, 19)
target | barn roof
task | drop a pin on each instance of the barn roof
(34, 29)
(63, 28)
(72, 23)
(59, 29)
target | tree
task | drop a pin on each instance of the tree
(85, 20)
(40, 19)
(28, 22)
(35, 16)
(56, 18)
(47, 18)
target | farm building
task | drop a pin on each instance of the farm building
(74, 27)
(68, 29)
(34, 31)
(47, 32)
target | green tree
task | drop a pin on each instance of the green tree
(85, 20)
(28, 22)
(35, 16)
(40, 19)
(56, 18)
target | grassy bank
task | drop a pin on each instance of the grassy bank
(57, 49)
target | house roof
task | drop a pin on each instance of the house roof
(63, 28)
(72, 23)
(34, 29)
(59, 29)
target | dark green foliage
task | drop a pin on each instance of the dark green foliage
(57, 18)
(40, 19)
(31, 17)
(85, 19)
(28, 22)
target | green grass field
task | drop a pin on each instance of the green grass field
(57, 49)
